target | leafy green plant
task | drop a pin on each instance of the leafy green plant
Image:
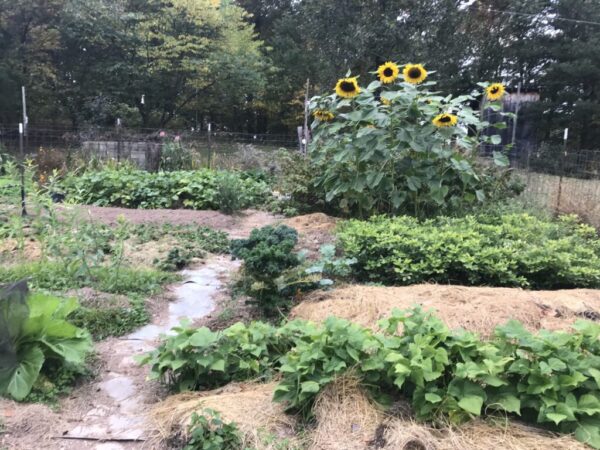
(132, 188)
(515, 249)
(174, 156)
(382, 150)
(209, 432)
(549, 378)
(267, 254)
(200, 238)
(229, 193)
(194, 359)
(34, 334)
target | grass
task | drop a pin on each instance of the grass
(107, 321)
(56, 276)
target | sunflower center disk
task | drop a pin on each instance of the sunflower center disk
(347, 86)
(415, 72)
(445, 119)
(494, 90)
(388, 72)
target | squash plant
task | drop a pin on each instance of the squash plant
(399, 147)
(34, 332)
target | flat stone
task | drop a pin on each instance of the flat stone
(109, 446)
(89, 431)
(119, 388)
(126, 427)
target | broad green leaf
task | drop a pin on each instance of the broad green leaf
(17, 382)
(310, 386)
(471, 404)
(556, 418)
(203, 337)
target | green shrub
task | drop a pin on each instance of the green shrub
(174, 156)
(549, 378)
(229, 193)
(498, 250)
(35, 335)
(132, 188)
(208, 432)
(267, 254)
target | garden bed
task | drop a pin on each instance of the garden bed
(477, 309)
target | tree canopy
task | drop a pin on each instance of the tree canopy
(243, 64)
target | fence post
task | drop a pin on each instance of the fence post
(209, 145)
(22, 170)
(562, 169)
(118, 141)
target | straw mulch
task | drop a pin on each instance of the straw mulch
(477, 309)
(249, 405)
(345, 419)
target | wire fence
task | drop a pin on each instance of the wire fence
(556, 177)
(142, 147)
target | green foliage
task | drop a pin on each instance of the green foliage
(515, 249)
(267, 254)
(391, 158)
(229, 193)
(208, 432)
(34, 335)
(103, 321)
(56, 276)
(179, 189)
(174, 156)
(176, 259)
(202, 359)
(549, 378)
(191, 236)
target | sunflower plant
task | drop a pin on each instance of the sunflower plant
(399, 146)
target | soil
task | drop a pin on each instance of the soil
(314, 230)
(477, 309)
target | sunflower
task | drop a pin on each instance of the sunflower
(445, 120)
(414, 73)
(323, 115)
(388, 72)
(495, 91)
(347, 87)
(385, 101)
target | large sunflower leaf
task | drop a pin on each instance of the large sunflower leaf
(17, 380)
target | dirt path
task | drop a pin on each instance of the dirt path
(236, 225)
(110, 412)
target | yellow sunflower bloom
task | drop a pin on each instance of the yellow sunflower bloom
(323, 115)
(495, 91)
(388, 72)
(385, 101)
(445, 120)
(414, 73)
(347, 87)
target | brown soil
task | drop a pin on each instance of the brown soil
(477, 309)
(236, 225)
(314, 230)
